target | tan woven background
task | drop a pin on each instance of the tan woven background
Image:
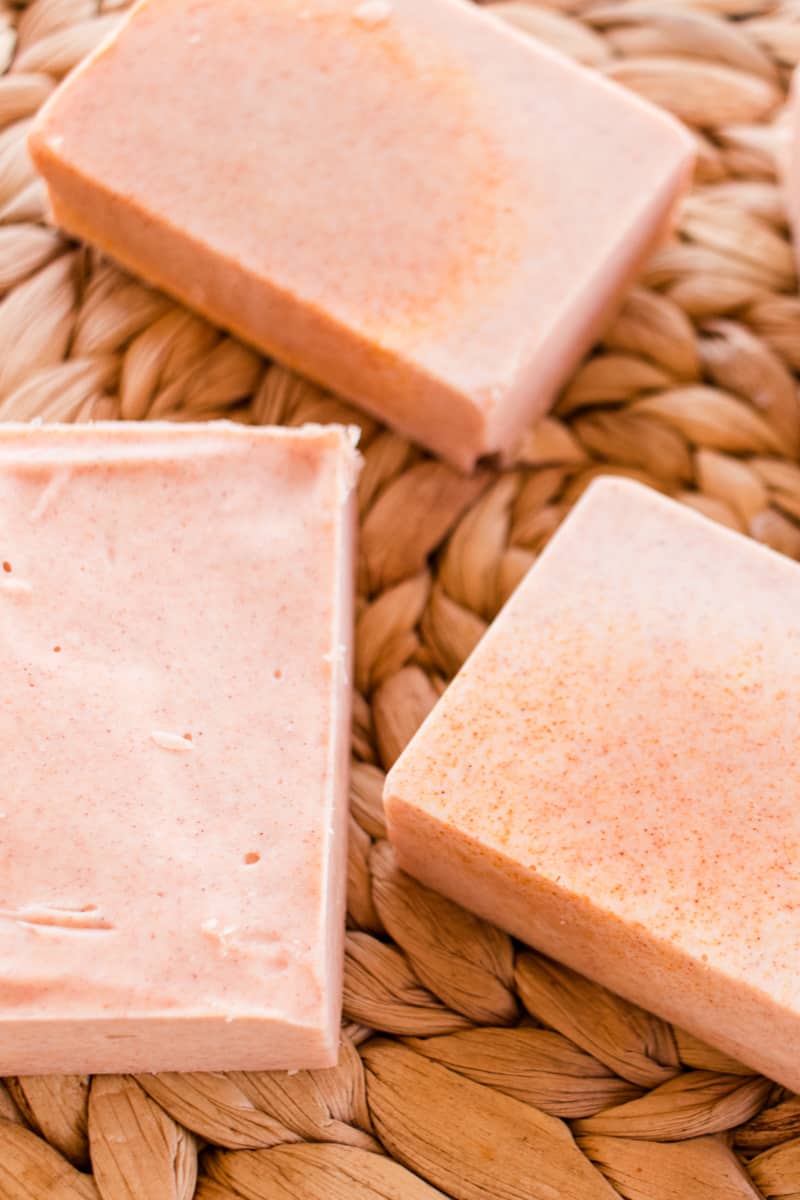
(488, 1061)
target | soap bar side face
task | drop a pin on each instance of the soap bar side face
(437, 242)
(175, 636)
(609, 777)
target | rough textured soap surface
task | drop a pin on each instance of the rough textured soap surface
(175, 613)
(404, 199)
(613, 774)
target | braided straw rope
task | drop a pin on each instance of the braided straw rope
(470, 1067)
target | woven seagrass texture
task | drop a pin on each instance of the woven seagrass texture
(470, 1067)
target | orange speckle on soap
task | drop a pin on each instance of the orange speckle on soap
(447, 190)
(612, 775)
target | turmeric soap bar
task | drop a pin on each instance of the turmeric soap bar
(405, 200)
(175, 627)
(612, 776)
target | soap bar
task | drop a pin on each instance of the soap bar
(175, 631)
(612, 776)
(409, 202)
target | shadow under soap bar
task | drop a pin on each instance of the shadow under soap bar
(175, 631)
(424, 210)
(612, 776)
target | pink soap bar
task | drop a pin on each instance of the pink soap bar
(613, 778)
(406, 200)
(175, 628)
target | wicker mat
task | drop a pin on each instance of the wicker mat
(471, 1067)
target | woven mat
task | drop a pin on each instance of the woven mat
(471, 1067)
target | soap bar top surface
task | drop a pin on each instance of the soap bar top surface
(174, 640)
(425, 192)
(627, 735)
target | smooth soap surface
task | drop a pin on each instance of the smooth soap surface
(612, 775)
(175, 627)
(404, 199)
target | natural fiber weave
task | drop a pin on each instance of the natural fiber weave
(493, 1073)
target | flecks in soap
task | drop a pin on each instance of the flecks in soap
(337, 654)
(88, 917)
(171, 741)
(264, 944)
(221, 934)
(51, 492)
(372, 12)
(337, 657)
(10, 586)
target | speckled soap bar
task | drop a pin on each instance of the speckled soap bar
(175, 629)
(613, 775)
(404, 199)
